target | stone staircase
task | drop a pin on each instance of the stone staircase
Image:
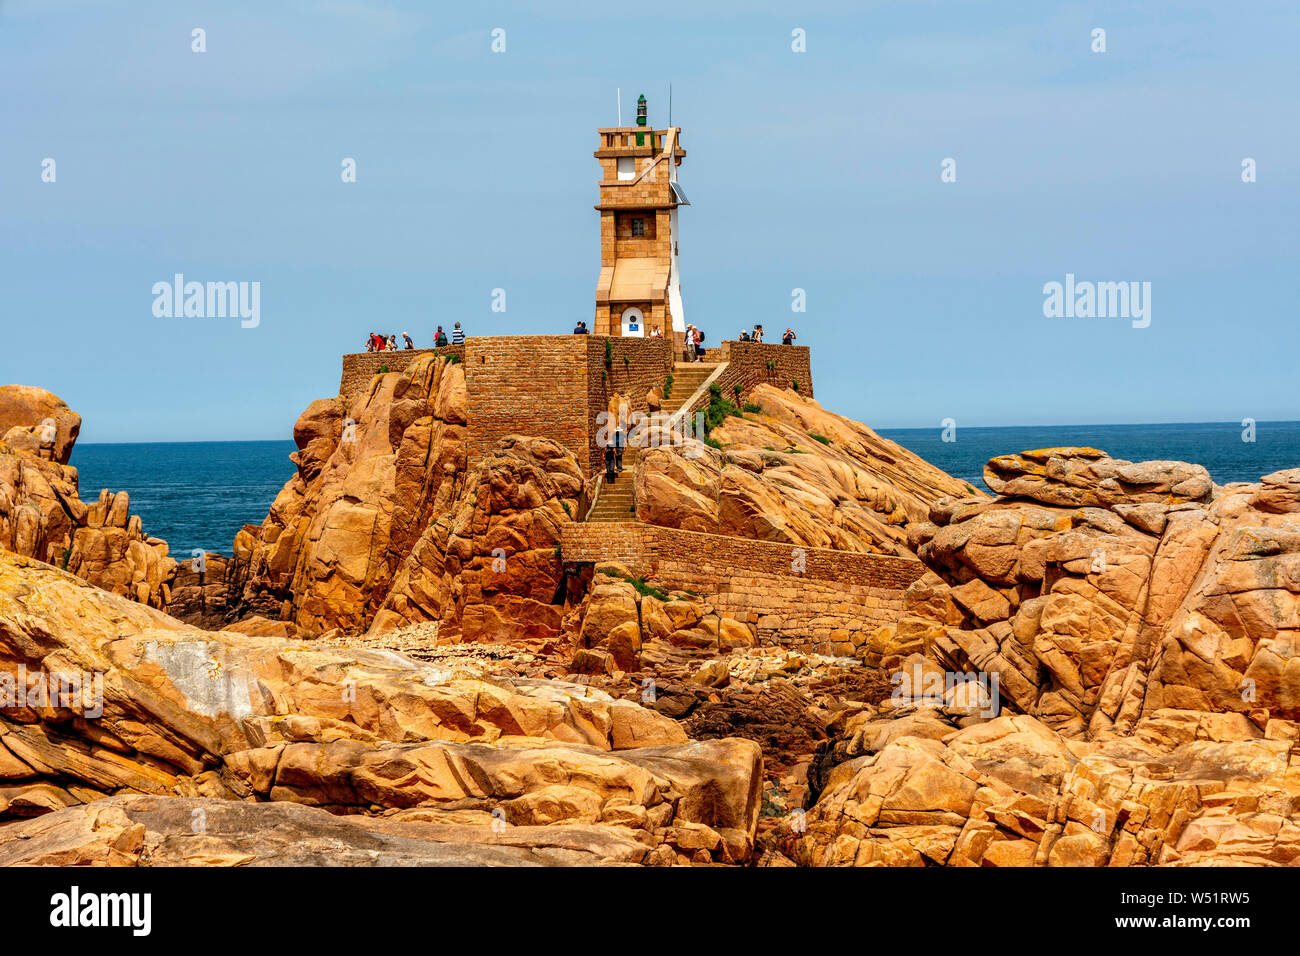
(687, 379)
(617, 502)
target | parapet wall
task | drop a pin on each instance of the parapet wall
(556, 386)
(811, 598)
(527, 385)
(747, 365)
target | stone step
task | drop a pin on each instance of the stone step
(687, 379)
(615, 503)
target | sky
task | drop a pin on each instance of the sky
(819, 170)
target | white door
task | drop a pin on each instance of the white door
(633, 323)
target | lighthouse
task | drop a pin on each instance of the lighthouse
(639, 287)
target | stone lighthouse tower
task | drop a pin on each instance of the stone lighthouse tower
(639, 286)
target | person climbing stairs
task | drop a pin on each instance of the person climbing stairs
(617, 501)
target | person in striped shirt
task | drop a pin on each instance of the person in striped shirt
(457, 336)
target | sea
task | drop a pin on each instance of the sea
(197, 495)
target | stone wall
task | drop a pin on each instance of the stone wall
(360, 367)
(747, 367)
(554, 386)
(631, 544)
(810, 598)
(830, 606)
(636, 366)
(527, 385)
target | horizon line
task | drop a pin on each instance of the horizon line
(883, 428)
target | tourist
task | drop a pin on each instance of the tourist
(789, 337)
(619, 442)
(457, 336)
(581, 329)
(656, 333)
(744, 336)
(392, 343)
(370, 342)
(610, 472)
(757, 334)
(439, 338)
(699, 345)
(379, 342)
(409, 343)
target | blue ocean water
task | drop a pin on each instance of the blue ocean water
(192, 494)
(1216, 445)
(199, 494)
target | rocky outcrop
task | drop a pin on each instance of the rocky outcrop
(490, 568)
(207, 594)
(915, 789)
(1094, 617)
(796, 474)
(1132, 624)
(620, 615)
(177, 712)
(34, 421)
(196, 831)
(371, 476)
(42, 514)
(1086, 477)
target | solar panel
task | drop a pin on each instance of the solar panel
(679, 195)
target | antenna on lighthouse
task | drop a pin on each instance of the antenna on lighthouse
(619, 92)
(670, 104)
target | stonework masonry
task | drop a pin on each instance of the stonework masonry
(808, 598)
(635, 366)
(630, 543)
(747, 366)
(555, 386)
(527, 385)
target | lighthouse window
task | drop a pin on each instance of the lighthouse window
(638, 227)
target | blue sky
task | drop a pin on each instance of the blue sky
(816, 170)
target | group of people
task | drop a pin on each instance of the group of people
(380, 343)
(377, 343)
(457, 336)
(756, 335)
(694, 338)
